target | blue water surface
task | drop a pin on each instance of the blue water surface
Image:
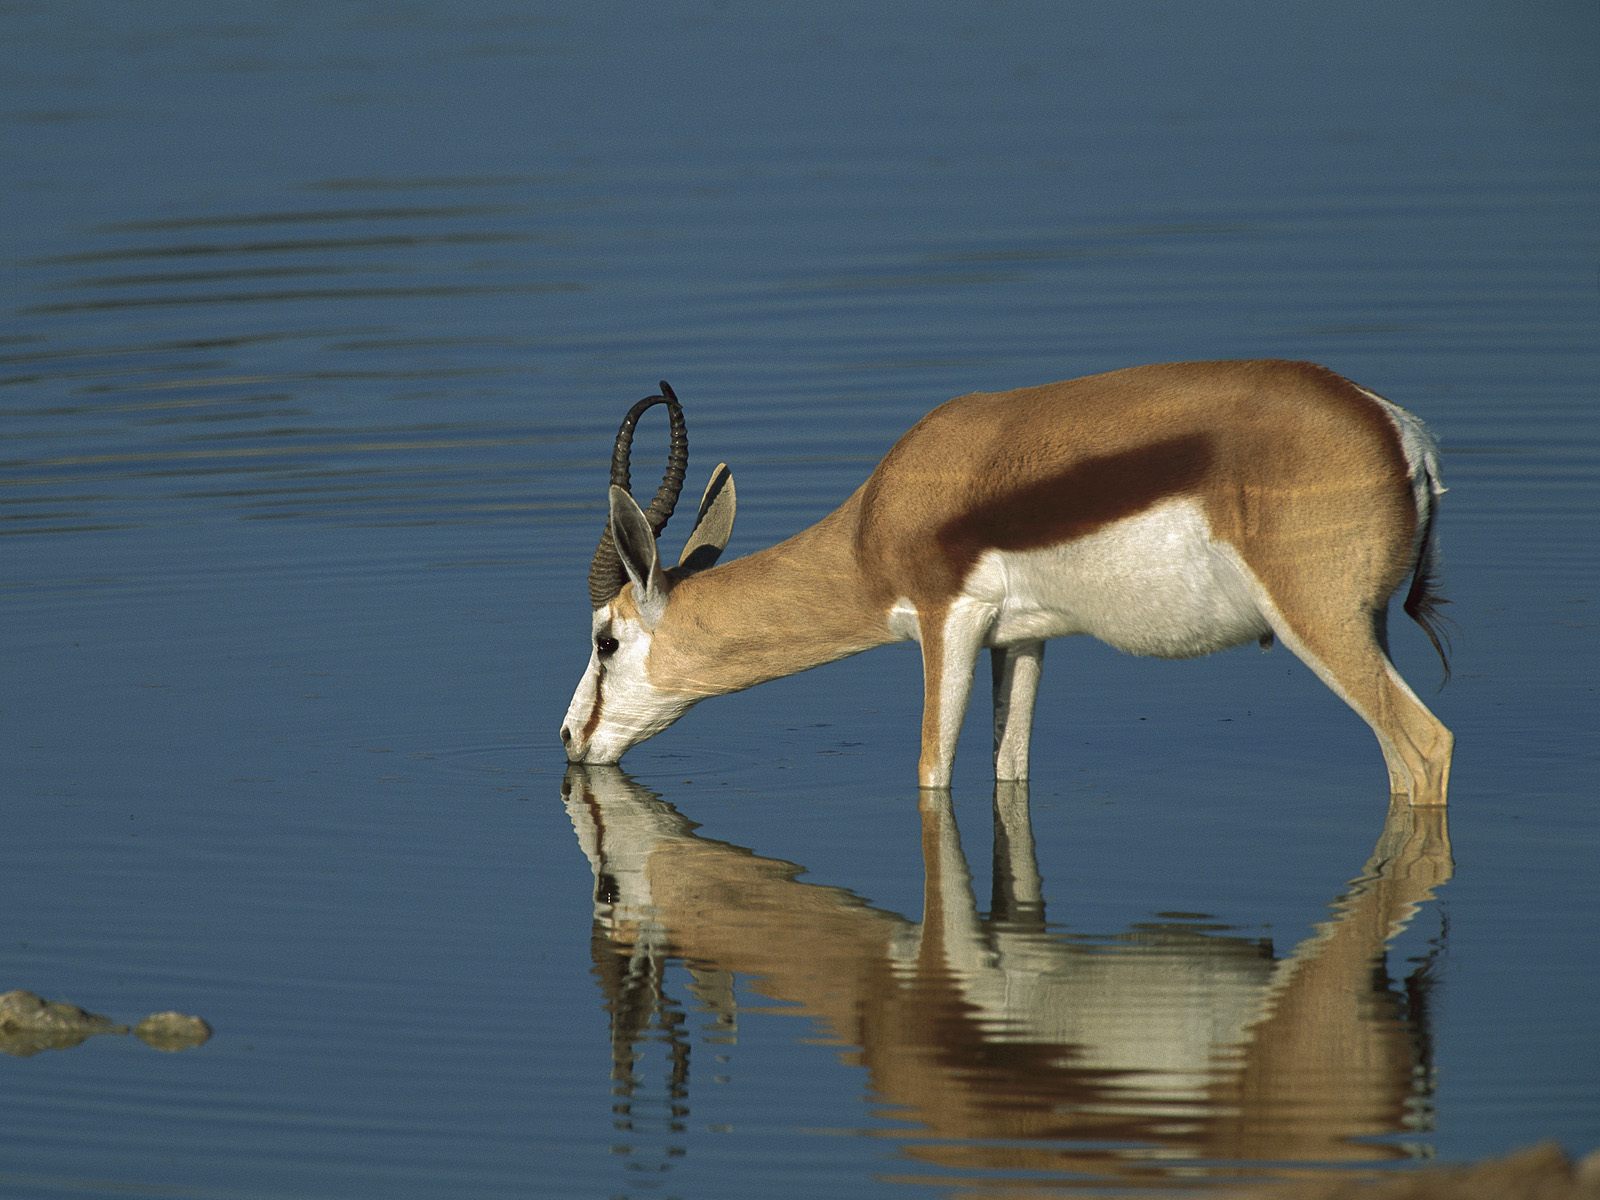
(317, 322)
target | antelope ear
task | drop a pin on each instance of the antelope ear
(636, 547)
(713, 526)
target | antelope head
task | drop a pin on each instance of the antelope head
(617, 704)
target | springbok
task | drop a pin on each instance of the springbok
(1169, 510)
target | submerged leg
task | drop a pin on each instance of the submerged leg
(950, 644)
(1016, 686)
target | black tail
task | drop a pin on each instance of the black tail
(1423, 601)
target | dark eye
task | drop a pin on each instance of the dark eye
(606, 645)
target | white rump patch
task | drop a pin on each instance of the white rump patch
(1422, 460)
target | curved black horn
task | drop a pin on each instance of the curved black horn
(606, 575)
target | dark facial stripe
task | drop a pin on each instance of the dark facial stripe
(593, 722)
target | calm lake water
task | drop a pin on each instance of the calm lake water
(317, 322)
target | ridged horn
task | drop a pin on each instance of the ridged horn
(606, 575)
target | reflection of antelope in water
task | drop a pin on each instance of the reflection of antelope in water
(1164, 1046)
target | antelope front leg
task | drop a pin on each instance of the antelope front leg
(1016, 686)
(950, 644)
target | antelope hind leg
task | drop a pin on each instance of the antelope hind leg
(1016, 687)
(1346, 652)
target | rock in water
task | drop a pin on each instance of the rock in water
(172, 1031)
(30, 1023)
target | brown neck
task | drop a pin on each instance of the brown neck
(777, 612)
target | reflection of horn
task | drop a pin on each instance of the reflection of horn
(632, 979)
(606, 575)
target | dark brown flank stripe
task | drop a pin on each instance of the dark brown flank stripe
(1074, 503)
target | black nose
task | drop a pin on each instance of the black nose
(566, 735)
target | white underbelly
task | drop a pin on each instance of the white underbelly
(1155, 584)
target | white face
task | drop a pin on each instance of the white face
(616, 706)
